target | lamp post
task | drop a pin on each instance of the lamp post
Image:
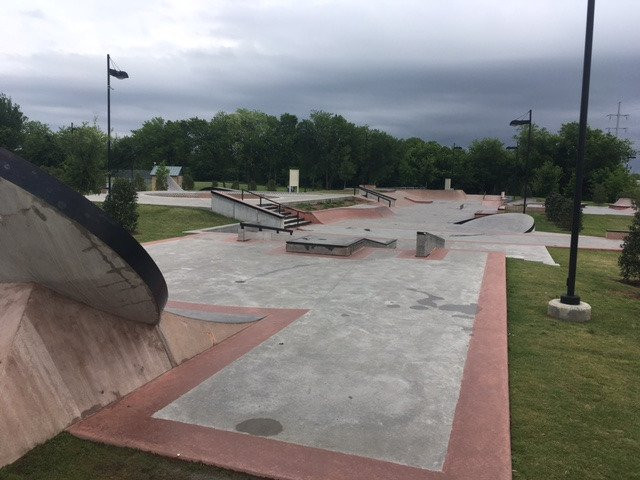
(515, 123)
(569, 306)
(571, 298)
(120, 75)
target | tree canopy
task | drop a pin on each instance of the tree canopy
(250, 146)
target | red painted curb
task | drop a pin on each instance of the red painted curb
(479, 445)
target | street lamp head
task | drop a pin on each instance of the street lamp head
(119, 74)
(517, 123)
(512, 148)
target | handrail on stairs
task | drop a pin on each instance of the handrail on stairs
(281, 208)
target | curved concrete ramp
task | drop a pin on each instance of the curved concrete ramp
(622, 204)
(346, 213)
(500, 223)
(53, 236)
(419, 196)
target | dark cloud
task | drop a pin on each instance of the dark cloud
(400, 72)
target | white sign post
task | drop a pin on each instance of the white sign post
(294, 180)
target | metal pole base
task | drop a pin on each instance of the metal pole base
(570, 299)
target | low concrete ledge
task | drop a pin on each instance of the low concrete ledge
(338, 247)
(616, 234)
(426, 243)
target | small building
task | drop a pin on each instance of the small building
(175, 173)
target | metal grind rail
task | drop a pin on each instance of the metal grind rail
(378, 195)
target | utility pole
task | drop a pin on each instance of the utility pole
(618, 116)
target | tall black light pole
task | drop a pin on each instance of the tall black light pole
(515, 123)
(120, 75)
(571, 298)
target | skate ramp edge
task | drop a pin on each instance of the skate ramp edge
(61, 360)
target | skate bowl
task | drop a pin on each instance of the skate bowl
(498, 223)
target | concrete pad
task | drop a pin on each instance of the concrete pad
(478, 446)
(350, 334)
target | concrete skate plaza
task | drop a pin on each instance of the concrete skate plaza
(377, 365)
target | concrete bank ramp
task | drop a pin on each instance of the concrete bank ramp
(332, 215)
(499, 223)
(622, 204)
(420, 196)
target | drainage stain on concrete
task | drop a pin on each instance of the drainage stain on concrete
(464, 309)
(263, 427)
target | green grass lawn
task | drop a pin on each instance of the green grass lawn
(575, 389)
(157, 222)
(66, 457)
(594, 225)
(309, 207)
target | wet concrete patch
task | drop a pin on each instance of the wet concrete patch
(263, 427)
(464, 309)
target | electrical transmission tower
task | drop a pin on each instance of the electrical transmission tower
(618, 116)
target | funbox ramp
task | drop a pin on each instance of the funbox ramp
(81, 304)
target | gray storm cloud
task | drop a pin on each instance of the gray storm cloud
(450, 72)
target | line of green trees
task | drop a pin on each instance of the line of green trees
(331, 152)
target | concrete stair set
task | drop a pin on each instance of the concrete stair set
(290, 220)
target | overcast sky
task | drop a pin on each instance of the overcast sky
(450, 70)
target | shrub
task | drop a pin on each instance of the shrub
(552, 206)
(162, 177)
(121, 204)
(559, 210)
(565, 215)
(214, 184)
(187, 182)
(138, 183)
(235, 185)
(252, 185)
(629, 260)
(599, 193)
(271, 185)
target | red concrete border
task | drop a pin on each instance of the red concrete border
(479, 446)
